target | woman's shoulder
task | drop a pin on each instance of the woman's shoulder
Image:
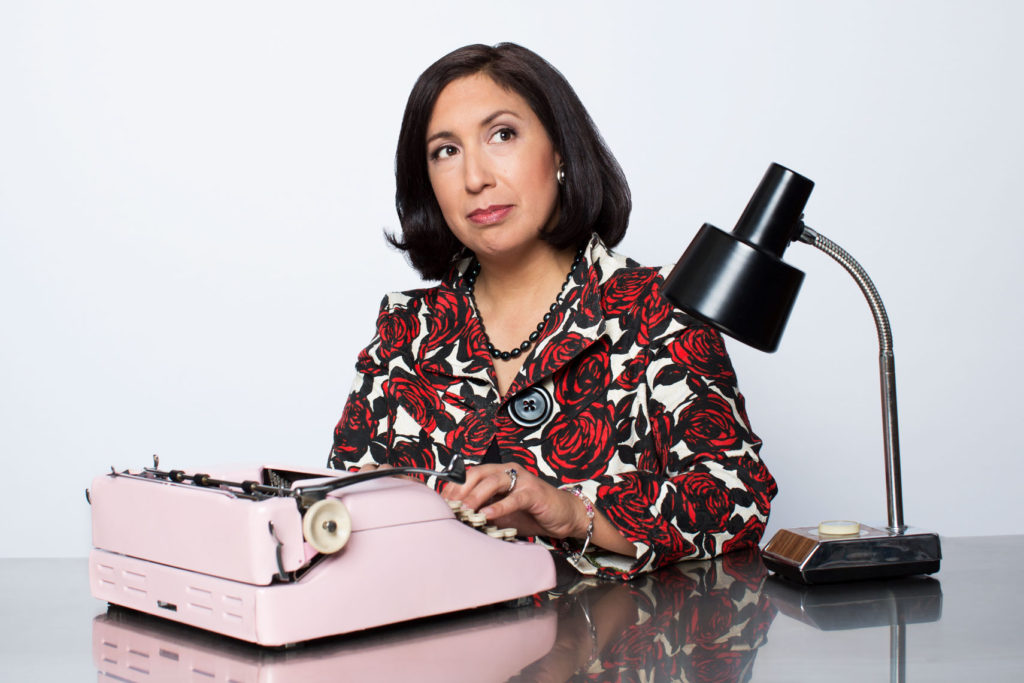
(425, 297)
(404, 300)
(625, 283)
(631, 292)
(613, 266)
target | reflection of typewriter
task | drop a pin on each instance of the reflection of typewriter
(277, 556)
(491, 645)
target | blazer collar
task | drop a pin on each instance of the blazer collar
(575, 324)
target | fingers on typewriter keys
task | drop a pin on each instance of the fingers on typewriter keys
(327, 526)
(467, 515)
(477, 520)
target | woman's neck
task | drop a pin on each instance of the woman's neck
(515, 280)
(512, 295)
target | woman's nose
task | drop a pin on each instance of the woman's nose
(478, 172)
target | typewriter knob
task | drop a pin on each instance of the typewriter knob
(327, 525)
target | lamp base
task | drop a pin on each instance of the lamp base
(807, 556)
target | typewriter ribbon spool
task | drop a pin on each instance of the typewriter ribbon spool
(327, 525)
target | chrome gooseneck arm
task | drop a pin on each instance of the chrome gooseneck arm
(887, 372)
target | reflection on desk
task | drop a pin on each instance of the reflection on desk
(697, 621)
(718, 620)
(487, 645)
(864, 604)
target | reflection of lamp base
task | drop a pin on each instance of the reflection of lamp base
(831, 607)
(806, 556)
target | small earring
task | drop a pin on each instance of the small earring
(560, 174)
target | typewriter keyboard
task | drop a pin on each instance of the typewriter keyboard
(478, 521)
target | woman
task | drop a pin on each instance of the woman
(599, 418)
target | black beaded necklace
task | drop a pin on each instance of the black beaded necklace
(470, 279)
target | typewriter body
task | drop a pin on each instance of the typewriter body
(276, 556)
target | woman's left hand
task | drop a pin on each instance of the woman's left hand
(533, 507)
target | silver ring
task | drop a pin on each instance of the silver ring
(513, 475)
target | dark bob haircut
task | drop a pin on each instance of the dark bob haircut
(594, 197)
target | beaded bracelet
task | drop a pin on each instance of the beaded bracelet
(577, 491)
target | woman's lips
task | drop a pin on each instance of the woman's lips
(492, 214)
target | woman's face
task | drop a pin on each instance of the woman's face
(492, 167)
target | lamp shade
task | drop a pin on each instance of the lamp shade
(737, 282)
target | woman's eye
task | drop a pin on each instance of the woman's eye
(444, 152)
(503, 135)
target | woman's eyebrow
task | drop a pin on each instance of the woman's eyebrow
(487, 121)
(496, 114)
(440, 134)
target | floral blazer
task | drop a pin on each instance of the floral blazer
(622, 394)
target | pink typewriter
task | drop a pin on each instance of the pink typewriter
(277, 556)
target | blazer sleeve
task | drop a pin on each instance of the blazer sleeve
(361, 435)
(703, 489)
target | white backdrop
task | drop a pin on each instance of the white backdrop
(192, 199)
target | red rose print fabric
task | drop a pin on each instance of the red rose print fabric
(646, 414)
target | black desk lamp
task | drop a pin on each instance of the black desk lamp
(739, 284)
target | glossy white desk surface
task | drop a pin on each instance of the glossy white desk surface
(720, 621)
